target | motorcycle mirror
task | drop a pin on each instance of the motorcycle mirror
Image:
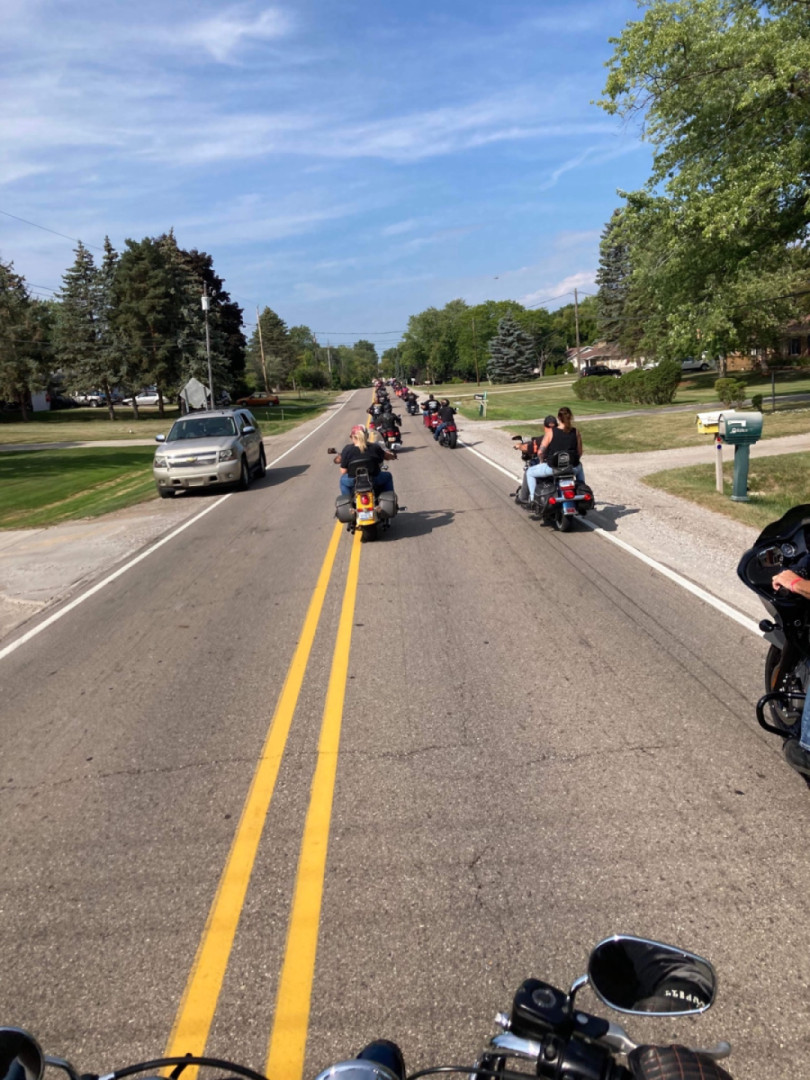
(331, 450)
(633, 975)
(20, 1055)
(517, 438)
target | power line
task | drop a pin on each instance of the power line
(45, 228)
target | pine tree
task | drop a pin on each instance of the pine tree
(279, 355)
(151, 302)
(615, 303)
(81, 339)
(23, 340)
(511, 353)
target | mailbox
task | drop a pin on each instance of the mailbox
(707, 422)
(740, 429)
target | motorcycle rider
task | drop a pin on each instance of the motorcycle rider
(430, 406)
(797, 751)
(446, 414)
(359, 452)
(541, 469)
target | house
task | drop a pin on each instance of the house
(601, 352)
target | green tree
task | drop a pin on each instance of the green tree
(150, 305)
(197, 275)
(723, 87)
(511, 353)
(24, 340)
(271, 340)
(82, 337)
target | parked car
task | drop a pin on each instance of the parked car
(63, 401)
(258, 400)
(695, 363)
(145, 397)
(598, 369)
(221, 446)
(96, 398)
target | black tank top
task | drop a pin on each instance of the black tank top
(563, 441)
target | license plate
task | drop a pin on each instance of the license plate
(365, 515)
(197, 482)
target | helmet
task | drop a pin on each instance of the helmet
(445, 401)
(357, 429)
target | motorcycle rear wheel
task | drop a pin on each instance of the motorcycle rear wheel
(452, 439)
(562, 522)
(794, 681)
(368, 533)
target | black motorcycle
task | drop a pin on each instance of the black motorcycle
(546, 1032)
(783, 545)
(558, 498)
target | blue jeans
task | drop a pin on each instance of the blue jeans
(804, 737)
(437, 431)
(383, 481)
(536, 471)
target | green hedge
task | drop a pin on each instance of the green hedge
(654, 387)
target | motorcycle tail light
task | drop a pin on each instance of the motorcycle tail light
(552, 501)
(587, 497)
(365, 500)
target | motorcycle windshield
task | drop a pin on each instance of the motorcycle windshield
(767, 557)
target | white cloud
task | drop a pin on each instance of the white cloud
(224, 33)
(400, 227)
(564, 289)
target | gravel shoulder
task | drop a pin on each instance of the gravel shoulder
(39, 568)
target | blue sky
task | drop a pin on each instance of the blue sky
(345, 162)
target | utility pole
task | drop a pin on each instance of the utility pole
(205, 303)
(329, 359)
(475, 349)
(576, 322)
(261, 349)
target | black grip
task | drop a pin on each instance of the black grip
(673, 1063)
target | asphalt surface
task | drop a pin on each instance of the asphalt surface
(544, 741)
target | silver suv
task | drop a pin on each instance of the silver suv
(221, 446)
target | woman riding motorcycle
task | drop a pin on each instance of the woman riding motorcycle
(359, 453)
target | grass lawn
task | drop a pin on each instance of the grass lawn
(94, 425)
(43, 487)
(775, 484)
(668, 431)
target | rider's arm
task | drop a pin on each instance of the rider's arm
(579, 443)
(787, 579)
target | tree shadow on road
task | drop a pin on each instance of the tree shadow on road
(407, 525)
(609, 513)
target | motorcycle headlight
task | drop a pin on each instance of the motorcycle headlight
(227, 455)
(160, 461)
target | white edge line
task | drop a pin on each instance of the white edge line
(701, 594)
(51, 619)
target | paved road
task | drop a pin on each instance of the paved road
(541, 744)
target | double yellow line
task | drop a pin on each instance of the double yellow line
(198, 1005)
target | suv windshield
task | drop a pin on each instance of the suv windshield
(202, 427)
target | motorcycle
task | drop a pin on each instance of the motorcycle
(448, 436)
(365, 509)
(782, 545)
(558, 498)
(545, 1031)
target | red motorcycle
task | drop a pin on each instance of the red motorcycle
(448, 436)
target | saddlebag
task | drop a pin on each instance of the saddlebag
(387, 504)
(344, 509)
(582, 506)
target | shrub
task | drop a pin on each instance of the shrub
(730, 391)
(654, 387)
(756, 402)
